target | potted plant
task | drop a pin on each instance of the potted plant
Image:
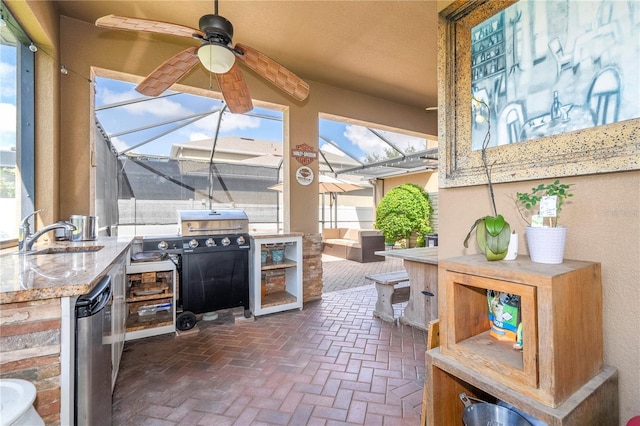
(545, 238)
(404, 211)
(493, 233)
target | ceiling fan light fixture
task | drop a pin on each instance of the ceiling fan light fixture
(216, 58)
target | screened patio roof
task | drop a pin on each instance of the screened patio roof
(397, 153)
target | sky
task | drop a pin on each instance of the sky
(356, 140)
(7, 95)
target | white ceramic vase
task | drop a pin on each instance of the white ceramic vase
(512, 251)
(546, 245)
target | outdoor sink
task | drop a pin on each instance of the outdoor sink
(71, 250)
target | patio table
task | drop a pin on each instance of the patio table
(421, 265)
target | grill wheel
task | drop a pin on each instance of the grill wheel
(186, 321)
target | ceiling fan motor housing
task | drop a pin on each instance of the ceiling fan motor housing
(216, 28)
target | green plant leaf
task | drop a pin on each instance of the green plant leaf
(495, 225)
(476, 223)
(494, 256)
(499, 244)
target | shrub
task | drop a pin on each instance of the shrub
(402, 211)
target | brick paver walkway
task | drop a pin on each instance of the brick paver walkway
(331, 363)
(339, 274)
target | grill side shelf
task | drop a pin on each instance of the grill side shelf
(275, 286)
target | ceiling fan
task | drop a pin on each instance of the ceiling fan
(216, 54)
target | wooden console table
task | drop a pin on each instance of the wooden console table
(558, 377)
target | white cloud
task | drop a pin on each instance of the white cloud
(232, 122)
(160, 107)
(8, 78)
(364, 139)
(197, 136)
(8, 114)
(8, 122)
(404, 141)
(369, 143)
(118, 144)
(327, 147)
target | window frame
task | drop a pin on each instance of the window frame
(25, 120)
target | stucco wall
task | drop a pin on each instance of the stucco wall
(604, 226)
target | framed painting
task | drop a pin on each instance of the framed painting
(557, 82)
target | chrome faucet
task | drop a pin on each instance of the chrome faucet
(24, 231)
(26, 239)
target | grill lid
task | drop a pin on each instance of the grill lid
(213, 222)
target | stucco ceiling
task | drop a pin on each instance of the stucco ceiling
(386, 49)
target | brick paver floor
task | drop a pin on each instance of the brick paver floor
(331, 363)
(339, 274)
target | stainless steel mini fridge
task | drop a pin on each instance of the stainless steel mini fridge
(93, 356)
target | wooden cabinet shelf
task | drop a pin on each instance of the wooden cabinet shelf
(137, 322)
(595, 403)
(488, 347)
(275, 286)
(286, 263)
(561, 314)
(150, 284)
(148, 297)
(278, 298)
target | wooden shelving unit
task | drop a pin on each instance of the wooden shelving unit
(149, 284)
(275, 286)
(558, 377)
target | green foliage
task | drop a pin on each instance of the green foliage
(402, 211)
(7, 182)
(529, 200)
(492, 235)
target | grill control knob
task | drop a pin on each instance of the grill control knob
(193, 243)
(210, 242)
(162, 245)
(240, 240)
(225, 241)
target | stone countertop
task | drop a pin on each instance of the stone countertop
(258, 235)
(420, 254)
(72, 272)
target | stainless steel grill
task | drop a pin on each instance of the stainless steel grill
(215, 260)
(213, 222)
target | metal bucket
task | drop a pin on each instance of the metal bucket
(483, 413)
(85, 227)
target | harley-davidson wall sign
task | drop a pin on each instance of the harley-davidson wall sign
(304, 175)
(304, 154)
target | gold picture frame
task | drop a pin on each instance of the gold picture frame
(602, 149)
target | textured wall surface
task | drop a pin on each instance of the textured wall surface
(30, 350)
(312, 267)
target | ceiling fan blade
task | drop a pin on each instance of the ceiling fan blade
(146, 25)
(273, 72)
(170, 71)
(235, 91)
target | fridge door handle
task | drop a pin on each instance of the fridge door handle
(95, 300)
